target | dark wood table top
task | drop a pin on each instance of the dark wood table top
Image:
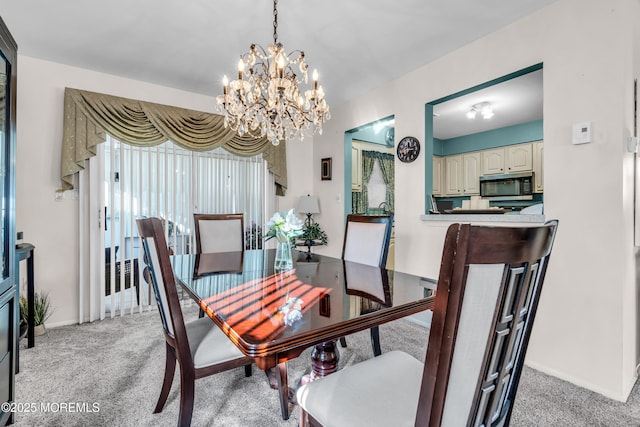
(248, 300)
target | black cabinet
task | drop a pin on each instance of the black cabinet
(9, 307)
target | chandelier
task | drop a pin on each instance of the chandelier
(265, 100)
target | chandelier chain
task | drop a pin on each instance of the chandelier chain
(275, 21)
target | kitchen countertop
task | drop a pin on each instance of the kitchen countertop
(507, 217)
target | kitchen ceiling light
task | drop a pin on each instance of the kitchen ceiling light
(265, 99)
(484, 108)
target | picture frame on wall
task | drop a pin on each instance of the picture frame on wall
(325, 169)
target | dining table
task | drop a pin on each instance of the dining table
(273, 316)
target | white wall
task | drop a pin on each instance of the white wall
(586, 330)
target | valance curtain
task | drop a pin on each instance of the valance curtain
(90, 116)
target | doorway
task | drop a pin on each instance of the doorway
(370, 170)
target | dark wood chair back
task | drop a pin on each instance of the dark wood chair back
(159, 274)
(219, 232)
(488, 291)
(366, 239)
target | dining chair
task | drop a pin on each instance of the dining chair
(219, 232)
(366, 241)
(485, 304)
(200, 347)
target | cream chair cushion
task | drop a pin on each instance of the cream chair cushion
(364, 242)
(382, 391)
(220, 235)
(208, 344)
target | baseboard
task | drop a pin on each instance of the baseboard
(51, 325)
(581, 383)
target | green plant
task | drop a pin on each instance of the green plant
(313, 231)
(41, 308)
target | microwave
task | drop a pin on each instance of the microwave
(511, 186)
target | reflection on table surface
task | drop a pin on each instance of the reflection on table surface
(251, 302)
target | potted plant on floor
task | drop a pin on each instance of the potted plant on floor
(41, 311)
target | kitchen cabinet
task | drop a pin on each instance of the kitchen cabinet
(462, 173)
(492, 161)
(453, 175)
(471, 173)
(356, 169)
(437, 176)
(538, 166)
(519, 158)
(509, 159)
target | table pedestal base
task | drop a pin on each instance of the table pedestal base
(324, 361)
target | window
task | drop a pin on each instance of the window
(172, 183)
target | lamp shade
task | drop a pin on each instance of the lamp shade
(308, 204)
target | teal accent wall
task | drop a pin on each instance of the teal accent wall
(438, 147)
(516, 134)
(369, 134)
(428, 148)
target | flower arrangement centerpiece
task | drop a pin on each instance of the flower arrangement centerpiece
(285, 228)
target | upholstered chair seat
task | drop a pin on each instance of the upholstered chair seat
(382, 391)
(208, 344)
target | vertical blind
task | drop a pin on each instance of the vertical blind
(171, 183)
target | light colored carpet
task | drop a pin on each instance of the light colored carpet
(116, 366)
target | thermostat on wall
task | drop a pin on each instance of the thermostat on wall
(581, 133)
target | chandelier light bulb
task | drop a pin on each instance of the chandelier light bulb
(240, 68)
(471, 114)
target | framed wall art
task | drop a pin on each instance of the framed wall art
(325, 169)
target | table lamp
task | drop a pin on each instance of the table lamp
(308, 205)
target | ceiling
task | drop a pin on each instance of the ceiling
(514, 101)
(190, 45)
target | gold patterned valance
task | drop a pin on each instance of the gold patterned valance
(90, 116)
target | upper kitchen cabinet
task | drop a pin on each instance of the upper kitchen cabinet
(462, 174)
(493, 161)
(519, 158)
(510, 159)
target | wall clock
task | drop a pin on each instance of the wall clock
(408, 149)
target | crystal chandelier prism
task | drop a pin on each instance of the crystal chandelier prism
(266, 99)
